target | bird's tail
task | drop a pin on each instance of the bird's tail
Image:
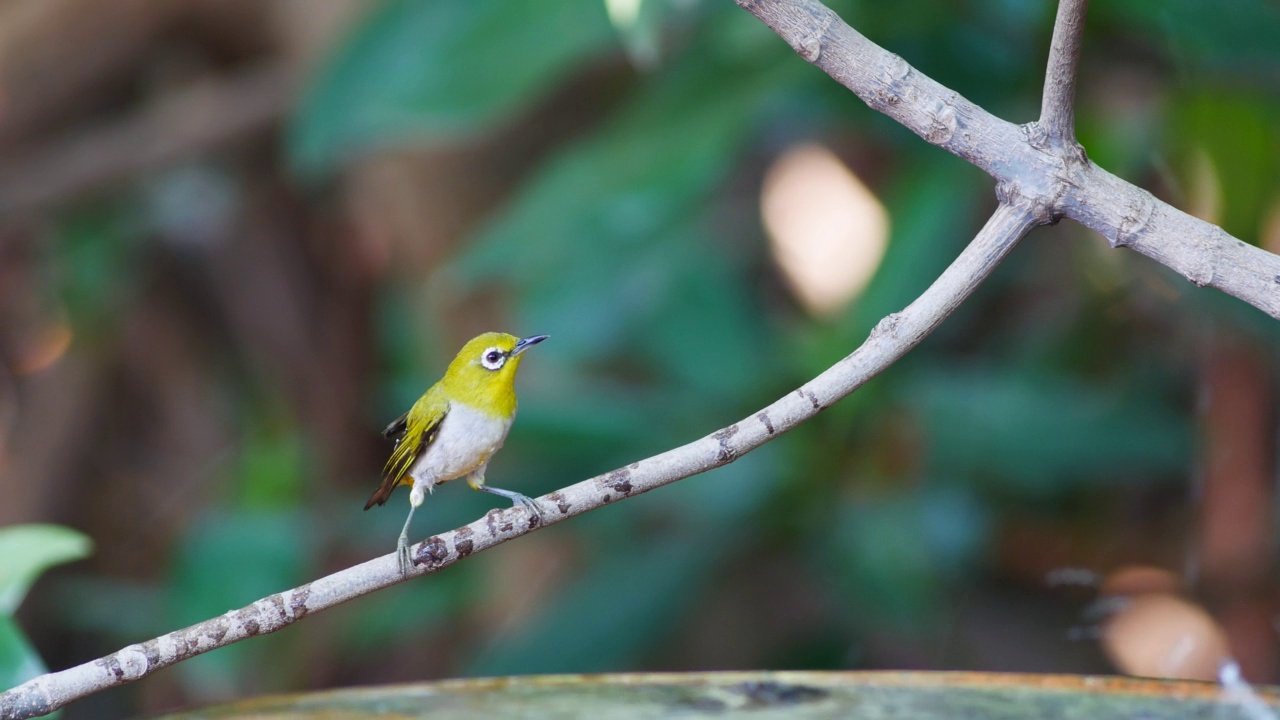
(383, 492)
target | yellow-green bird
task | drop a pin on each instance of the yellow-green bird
(456, 427)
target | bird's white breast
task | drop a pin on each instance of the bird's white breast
(466, 440)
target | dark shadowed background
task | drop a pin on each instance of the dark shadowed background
(239, 236)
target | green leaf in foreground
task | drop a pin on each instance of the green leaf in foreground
(19, 662)
(28, 550)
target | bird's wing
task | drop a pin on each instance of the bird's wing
(413, 432)
(396, 429)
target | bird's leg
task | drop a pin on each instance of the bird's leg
(416, 496)
(476, 481)
(402, 545)
(515, 498)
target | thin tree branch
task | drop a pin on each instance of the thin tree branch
(888, 341)
(1057, 110)
(1062, 178)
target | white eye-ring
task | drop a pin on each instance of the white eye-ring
(493, 358)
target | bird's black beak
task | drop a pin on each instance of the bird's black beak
(525, 343)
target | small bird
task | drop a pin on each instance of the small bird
(456, 427)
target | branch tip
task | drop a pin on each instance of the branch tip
(1057, 109)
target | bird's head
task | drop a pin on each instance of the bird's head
(483, 375)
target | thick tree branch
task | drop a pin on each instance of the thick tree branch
(1061, 177)
(1057, 109)
(890, 340)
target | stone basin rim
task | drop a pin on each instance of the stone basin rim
(1064, 683)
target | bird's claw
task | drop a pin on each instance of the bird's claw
(532, 505)
(404, 560)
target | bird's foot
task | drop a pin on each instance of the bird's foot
(517, 500)
(522, 500)
(405, 561)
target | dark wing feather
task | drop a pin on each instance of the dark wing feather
(397, 428)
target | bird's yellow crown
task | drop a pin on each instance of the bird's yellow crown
(483, 375)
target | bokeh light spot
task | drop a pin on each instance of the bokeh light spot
(827, 230)
(44, 350)
(1163, 635)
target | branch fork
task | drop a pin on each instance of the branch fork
(1042, 158)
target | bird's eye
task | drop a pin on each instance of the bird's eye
(493, 358)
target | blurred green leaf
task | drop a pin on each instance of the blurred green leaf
(19, 661)
(895, 553)
(639, 24)
(599, 413)
(1122, 138)
(705, 332)
(274, 466)
(602, 201)
(430, 69)
(1240, 35)
(28, 550)
(1045, 434)
(1230, 152)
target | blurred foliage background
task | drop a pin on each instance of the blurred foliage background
(238, 236)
